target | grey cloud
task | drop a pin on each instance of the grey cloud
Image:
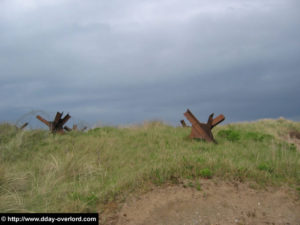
(123, 62)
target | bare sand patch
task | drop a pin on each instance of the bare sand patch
(218, 202)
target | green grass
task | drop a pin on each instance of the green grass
(81, 172)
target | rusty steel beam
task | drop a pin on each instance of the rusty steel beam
(191, 117)
(44, 121)
(210, 120)
(24, 125)
(65, 119)
(67, 128)
(57, 117)
(183, 123)
(220, 118)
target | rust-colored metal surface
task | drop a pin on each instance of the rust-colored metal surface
(43, 120)
(65, 119)
(220, 118)
(67, 128)
(57, 117)
(183, 123)
(57, 125)
(24, 125)
(202, 130)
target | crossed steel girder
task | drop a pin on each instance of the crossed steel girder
(202, 130)
(57, 125)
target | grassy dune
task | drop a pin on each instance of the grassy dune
(81, 172)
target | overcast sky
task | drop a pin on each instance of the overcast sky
(122, 62)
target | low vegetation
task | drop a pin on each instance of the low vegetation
(83, 171)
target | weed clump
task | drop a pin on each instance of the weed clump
(239, 135)
(265, 167)
(292, 147)
(230, 135)
(255, 136)
(206, 173)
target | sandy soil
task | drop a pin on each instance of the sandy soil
(218, 202)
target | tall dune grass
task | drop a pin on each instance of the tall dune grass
(80, 172)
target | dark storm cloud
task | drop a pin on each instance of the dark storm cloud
(124, 62)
